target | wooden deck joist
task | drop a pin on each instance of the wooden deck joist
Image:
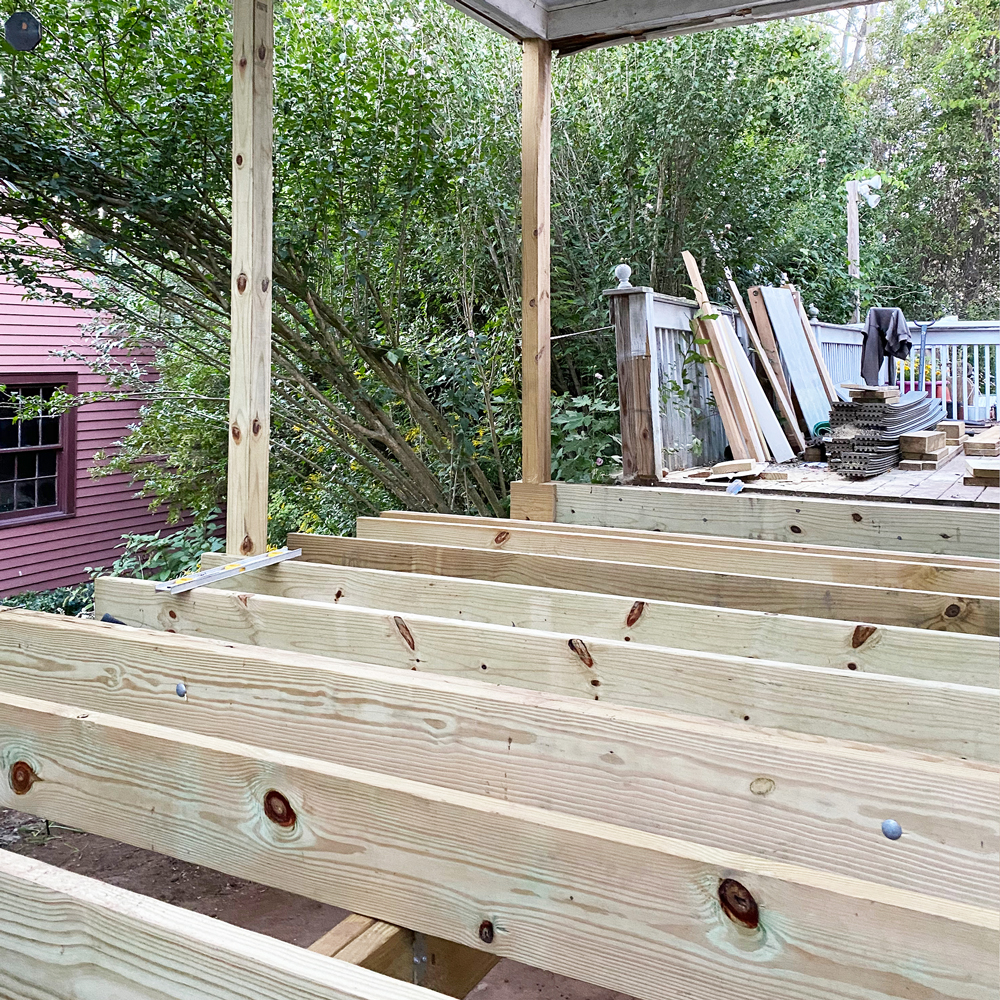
(913, 609)
(657, 551)
(857, 523)
(903, 713)
(750, 545)
(821, 642)
(816, 802)
(64, 936)
(621, 908)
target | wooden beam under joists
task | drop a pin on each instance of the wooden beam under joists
(250, 350)
(536, 117)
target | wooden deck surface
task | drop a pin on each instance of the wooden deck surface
(943, 485)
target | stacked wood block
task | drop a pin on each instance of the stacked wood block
(874, 393)
(926, 450)
(985, 444)
(982, 472)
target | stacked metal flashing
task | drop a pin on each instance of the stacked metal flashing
(866, 431)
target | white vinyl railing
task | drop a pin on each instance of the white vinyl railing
(960, 363)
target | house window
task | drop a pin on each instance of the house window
(36, 469)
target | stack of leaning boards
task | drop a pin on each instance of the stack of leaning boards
(751, 426)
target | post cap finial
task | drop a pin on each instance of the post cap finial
(623, 272)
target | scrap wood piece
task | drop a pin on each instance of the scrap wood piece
(807, 383)
(817, 353)
(748, 470)
(776, 378)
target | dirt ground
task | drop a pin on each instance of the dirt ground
(246, 904)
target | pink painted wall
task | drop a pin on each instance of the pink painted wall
(56, 552)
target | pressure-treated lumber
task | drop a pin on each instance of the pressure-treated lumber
(745, 441)
(536, 142)
(250, 342)
(665, 774)
(448, 968)
(881, 649)
(64, 936)
(776, 378)
(659, 551)
(899, 712)
(620, 908)
(751, 544)
(533, 501)
(962, 531)
(765, 332)
(910, 608)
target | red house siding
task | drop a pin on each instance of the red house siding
(55, 552)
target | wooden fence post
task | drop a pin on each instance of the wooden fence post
(638, 382)
(250, 350)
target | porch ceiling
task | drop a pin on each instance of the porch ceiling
(582, 24)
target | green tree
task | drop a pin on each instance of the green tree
(928, 85)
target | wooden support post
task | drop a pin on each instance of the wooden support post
(638, 385)
(536, 118)
(250, 351)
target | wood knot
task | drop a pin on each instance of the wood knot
(762, 786)
(405, 632)
(241, 284)
(580, 648)
(243, 62)
(486, 933)
(239, 159)
(795, 529)
(738, 904)
(22, 777)
(952, 611)
(246, 546)
(265, 284)
(255, 427)
(262, 53)
(856, 516)
(635, 613)
(501, 537)
(861, 634)
(172, 613)
(278, 809)
(236, 432)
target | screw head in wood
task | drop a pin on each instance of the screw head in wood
(738, 903)
(892, 829)
(181, 689)
(486, 932)
(22, 777)
(278, 809)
